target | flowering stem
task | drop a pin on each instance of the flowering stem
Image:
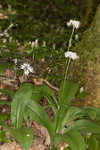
(69, 45)
(66, 71)
(70, 40)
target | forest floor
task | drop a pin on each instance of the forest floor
(41, 137)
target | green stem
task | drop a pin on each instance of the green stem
(66, 73)
(69, 45)
(70, 40)
(67, 67)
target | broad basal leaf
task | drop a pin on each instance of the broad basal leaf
(84, 125)
(93, 113)
(3, 137)
(24, 136)
(74, 140)
(41, 116)
(3, 102)
(67, 92)
(20, 101)
(47, 91)
(93, 143)
(66, 115)
(60, 119)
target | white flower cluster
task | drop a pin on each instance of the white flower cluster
(27, 68)
(5, 33)
(81, 89)
(71, 55)
(44, 44)
(76, 37)
(15, 61)
(28, 135)
(74, 23)
(34, 44)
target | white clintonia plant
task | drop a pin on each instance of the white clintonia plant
(76, 37)
(27, 68)
(74, 23)
(26, 102)
(71, 55)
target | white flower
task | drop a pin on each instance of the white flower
(81, 89)
(15, 61)
(1, 34)
(54, 46)
(73, 23)
(44, 44)
(71, 55)
(76, 37)
(11, 25)
(27, 135)
(27, 68)
(6, 34)
(4, 40)
(34, 44)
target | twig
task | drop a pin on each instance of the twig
(36, 80)
(50, 85)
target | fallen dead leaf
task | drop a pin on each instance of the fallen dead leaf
(45, 133)
(38, 147)
(7, 146)
(2, 16)
(38, 81)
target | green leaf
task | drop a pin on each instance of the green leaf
(94, 113)
(7, 91)
(66, 115)
(47, 91)
(41, 116)
(73, 113)
(4, 66)
(37, 93)
(81, 95)
(67, 92)
(23, 135)
(60, 119)
(93, 143)
(54, 148)
(20, 101)
(67, 148)
(4, 117)
(84, 125)
(3, 102)
(74, 140)
(53, 103)
(3, 137)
